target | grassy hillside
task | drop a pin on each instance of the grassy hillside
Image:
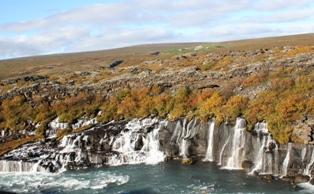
(89, 61)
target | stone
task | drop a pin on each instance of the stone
(267, 177)
(247, 164)
(155, 53)
(139, 143)
(186, 161)
(301, 179)
(115, 63)
(312, 181)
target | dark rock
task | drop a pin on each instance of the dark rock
(301, 179)
(155, 53)
(115, 63)
(139, 143)
(267, 177)
(247, 164)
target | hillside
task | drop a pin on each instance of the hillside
(90, 61)
(267, 79)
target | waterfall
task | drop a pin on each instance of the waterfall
(286, 161)
(309, 166)
(222, 151)
(183, 134)
(7, 166)
(210, 142)
(276, 161)
(303, 153)
(234, 161)
(259, 158)
(152, 147)
(184, 148)
(135, 147)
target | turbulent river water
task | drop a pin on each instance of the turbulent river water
(170, 177)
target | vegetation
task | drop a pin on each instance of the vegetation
(287, 101)
(281, 95)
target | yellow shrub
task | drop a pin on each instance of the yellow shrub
(210, 106)
(235, 107)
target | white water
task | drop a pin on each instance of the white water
(309, 166)
(265, 162)
(7, 166)
(84, 122)
(210, 142)
(259, 159)
(234, 161)
(184, 148)
(276, 160)
(286, 162)
(125, 145)
(222, 151)
(183, 134)
(37, 183)
(303, 153)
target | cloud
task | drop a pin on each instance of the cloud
(280, 4)
(128, 22)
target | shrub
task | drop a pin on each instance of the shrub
(235, 107)
(255, 79)
(211, 106)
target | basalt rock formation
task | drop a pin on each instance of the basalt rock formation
(151, 141)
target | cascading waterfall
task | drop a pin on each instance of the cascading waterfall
(309, 166)
(286, 161)
(276, 161)
(259, 159)
(269, 158)
(129, 149)
(303, 153)
(138, 141)
(222, 151)
(234, 161)
(19, 167)
(152, 147)
(184, 148)
(210, 142)
(184, 136)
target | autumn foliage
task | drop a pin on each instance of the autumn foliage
(285, 101)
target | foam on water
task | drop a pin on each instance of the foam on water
(36, 183)
(306, 187)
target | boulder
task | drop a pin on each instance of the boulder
(247, 164)
(115, 63)
(187, 161)
(301, 179)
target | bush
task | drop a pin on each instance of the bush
(211, 106)
(235, 107)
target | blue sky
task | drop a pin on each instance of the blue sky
(35, 27)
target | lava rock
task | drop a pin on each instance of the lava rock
(139, 143)
(247, 164)
(115, 63)
(301, 179)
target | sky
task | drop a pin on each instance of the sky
(37, 27)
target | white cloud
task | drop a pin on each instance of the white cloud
(280, 4)
(128, 22)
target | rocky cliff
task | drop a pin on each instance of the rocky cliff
(151, 141)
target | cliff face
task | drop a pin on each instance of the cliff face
(151, 141)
